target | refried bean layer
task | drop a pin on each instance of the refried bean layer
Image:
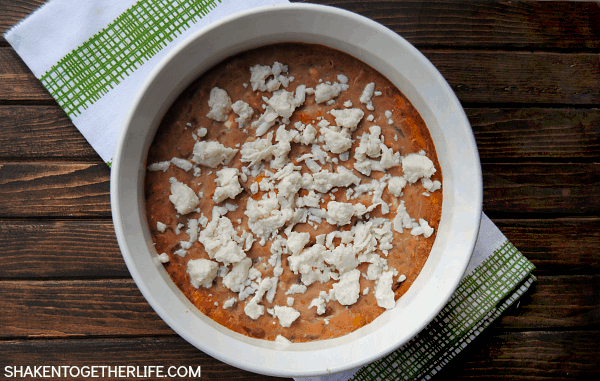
(404, 132)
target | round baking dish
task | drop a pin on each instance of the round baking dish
(413, 74)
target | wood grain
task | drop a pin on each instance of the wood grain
(40, 132)
(491, 24)
(158, 351)
(556, 302)
(521, 77)
(115, 307)
(529, 355)
(501, 133)
(54, 190)
(528, 190)
(536, 133)
(557, 245)
(60, 248)
(106, 307)
(496, 25)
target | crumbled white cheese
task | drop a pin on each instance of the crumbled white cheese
(320, 302)
(192, 230)
(296, 289)
(160, 166)
(335, 141)
(163, 258)
(396, 184)
(212, 153)
(430, 185)
(296, 242)
(383, 291)
(221, 241)
(182, 163)
(423, 228)
(234, 280)
(367, 94)
(266, 216)
(416, 166)
(342, 257)
(325, 92)
(290, 301)
(244, 111)
(286, 315)
(183, 197)
(342, 78)
(348, 118)
(219, 104)
(161, 227)
(202, 272)
(228, 185)
(201, 132)
(260, 73)
(340, 213)
(284, 102)
(402, 219)
(229, 303)
(265, 121)
(323, 181)
(252, 308)
(347, 290)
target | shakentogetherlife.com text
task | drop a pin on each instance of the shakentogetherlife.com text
(101, 371)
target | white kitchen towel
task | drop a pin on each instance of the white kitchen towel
(93, 56)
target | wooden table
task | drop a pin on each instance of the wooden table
(528, 75)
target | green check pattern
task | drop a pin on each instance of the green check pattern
(87, 73)
(479, 300)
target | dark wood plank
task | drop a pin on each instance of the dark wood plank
(558, 303)
(533, 356)
(536, 133)
(557, 246)
(506, 25)
(505, 133)
(54, 189)
(490, 24)
(22, 87)
(40, 132)
(12, 12)
(77, 308)
(475, 76)
(11, 63)
(524, 189)
(520, 77)
(73, 308)
(71, 248)
(532, 189)
(160, 351)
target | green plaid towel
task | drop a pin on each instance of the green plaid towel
(94, 56)
(497, 275)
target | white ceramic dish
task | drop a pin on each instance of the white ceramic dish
(414, 75)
